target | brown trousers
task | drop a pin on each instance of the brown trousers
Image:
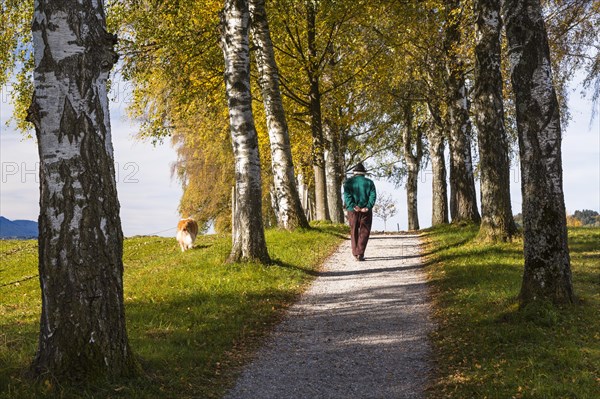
(360, 229)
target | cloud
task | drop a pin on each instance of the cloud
(148, 196)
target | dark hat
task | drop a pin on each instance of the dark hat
(359, 169)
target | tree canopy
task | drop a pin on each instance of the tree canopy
(368, 57)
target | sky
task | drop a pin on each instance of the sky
(149, 196)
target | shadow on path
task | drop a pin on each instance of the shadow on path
(360, 331)
(369, 271)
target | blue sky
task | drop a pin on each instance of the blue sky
(149, 196)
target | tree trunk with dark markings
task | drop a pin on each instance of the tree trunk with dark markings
(463, 198)
(413, 152)
(82, 325)
(439, 201)
(497, 222)
(290, 214)
(316, 119)
(547, 274)
(248, 230)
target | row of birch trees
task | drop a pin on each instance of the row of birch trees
(280, 98)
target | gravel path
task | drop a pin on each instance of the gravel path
(360, 331)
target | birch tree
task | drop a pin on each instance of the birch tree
(497, 221)
(572, 27)
(324, 48)
(15, 61)
(290, 213)
(439, 188)
(314, 96)
(547, 272)
(248, 229)
(334, 167)
(413, 153)
(82, 325)
(422, 49)
(463, 201)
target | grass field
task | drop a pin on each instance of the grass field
(489, 348)
(191, 319)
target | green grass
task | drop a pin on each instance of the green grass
(192, 320)
(486, 347)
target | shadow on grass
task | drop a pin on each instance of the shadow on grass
(342, 236)
(184, 342)
(337, 230)
(181, 344)
(190, 318)
(483, 252)
(287, 265)
(551, 347)
(202, 246)
(455, 244)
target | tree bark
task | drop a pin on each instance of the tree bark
(290, 214)
(439, 213)
(463, 201)
(547, 272)
(248, 233)
(497, 222)
(335, 171)
(82, 325)
(321, 207)
(413, 162)
(463, 197)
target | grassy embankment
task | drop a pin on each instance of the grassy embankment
(486, 346)
(192, 320)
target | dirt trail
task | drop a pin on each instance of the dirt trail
(360, 331)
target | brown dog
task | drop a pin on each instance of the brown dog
(187, 230)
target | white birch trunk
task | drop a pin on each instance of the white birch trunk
(290, 214)
(463, 198)
(82, 326)
(497, 222)
(334, 173)
(439, 201)
(413, 161)
(249, 237)
(316, 122)
(547, 274)
(439, 187)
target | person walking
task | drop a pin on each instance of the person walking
(359, 197)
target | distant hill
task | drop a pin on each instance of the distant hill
(21, 229)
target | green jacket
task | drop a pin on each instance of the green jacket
(359, 191)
